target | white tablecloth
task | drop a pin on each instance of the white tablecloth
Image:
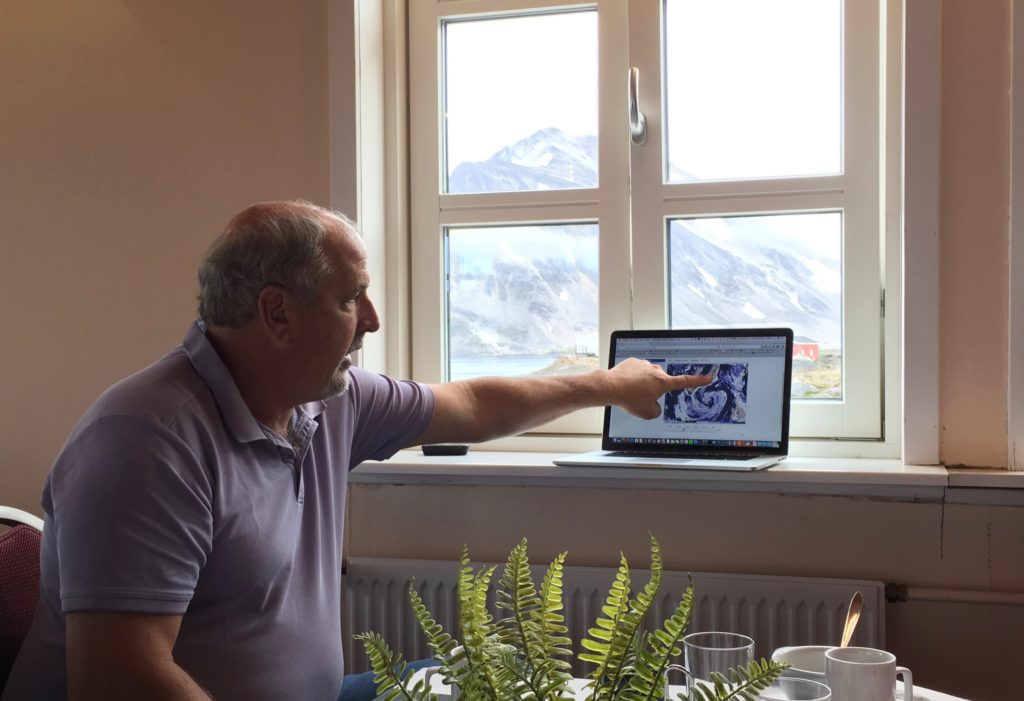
(579, 691)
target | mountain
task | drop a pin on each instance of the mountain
(715, 285)
(542, 305)
(550, 159)
(528, 296)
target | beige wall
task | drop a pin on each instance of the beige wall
(129, 133)
(975, 233)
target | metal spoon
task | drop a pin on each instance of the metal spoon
(852, 617)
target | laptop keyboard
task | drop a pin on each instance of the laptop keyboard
(693, 456)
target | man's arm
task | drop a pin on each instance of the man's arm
(112, 656)
(476, 410)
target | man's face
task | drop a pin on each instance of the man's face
(333, 328)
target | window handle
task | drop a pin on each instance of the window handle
(637, 120)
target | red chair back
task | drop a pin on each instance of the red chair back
(19, 591)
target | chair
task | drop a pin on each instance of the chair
(19, 582)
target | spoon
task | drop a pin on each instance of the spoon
(852, 617)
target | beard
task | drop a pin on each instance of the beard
(341, 380)
(339, 383)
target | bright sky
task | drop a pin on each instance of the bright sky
(509, 78)
(753, 87)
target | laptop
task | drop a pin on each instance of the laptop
(739, 422)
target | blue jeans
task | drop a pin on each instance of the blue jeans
(360, 687)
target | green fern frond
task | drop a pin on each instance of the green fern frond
(439, 640)
(657, 651)
(620, 643)
(553, 630)
(390, 672)
(747, 682)
(609, 649)
(518, 596)
(470, 669)
(532, 629)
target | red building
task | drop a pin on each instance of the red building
(805, 348)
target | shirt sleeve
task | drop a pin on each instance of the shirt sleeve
(389, 414)
(132, 517)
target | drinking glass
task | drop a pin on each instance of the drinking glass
(793, 689)
(705, 653)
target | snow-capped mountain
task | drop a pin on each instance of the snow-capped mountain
(547, 160)
(536, 300)
(713, 285)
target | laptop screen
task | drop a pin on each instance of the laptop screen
(746, 406)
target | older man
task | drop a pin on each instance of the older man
(193, 536)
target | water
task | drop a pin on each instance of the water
(463, 368)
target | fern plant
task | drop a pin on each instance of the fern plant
(524, 654)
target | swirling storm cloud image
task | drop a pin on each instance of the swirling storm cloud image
(724, 401)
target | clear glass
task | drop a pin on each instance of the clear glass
(766, 270)
(791, 689)
(753, 88)
(522, 300)
(716, 653)
(521, 103)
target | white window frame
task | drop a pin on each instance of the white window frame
(855, 192)
(382, 78)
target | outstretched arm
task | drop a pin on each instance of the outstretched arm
(490, 407)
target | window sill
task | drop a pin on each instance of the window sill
(874, 478)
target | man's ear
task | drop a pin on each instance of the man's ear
(273, 310)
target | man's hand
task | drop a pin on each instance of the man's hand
(637, 385)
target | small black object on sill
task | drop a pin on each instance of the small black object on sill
(445, 449)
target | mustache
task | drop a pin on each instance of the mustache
(357, 344)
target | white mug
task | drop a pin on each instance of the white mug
(865, 674)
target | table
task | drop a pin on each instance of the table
(578, 687)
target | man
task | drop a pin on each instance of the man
(193, 520)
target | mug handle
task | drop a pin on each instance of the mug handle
(687, 676)
(908, 683)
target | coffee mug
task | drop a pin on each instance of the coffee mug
(865, 674)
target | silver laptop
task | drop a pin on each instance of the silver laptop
(738, 422)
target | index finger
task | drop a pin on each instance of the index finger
(690, 381)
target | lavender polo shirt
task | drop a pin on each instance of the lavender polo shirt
(170, 498)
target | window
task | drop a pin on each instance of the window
(754, 196)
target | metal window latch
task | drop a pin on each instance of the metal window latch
(637, 120)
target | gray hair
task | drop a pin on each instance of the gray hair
(269, 244)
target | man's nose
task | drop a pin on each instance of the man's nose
(369, 321)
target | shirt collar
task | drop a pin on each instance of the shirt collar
(237, 416)
(214, 373)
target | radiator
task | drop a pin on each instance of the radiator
(774, 611)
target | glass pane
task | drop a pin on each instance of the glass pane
(522, 300)
(754, 88)
(777, 270)
(521, 103)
